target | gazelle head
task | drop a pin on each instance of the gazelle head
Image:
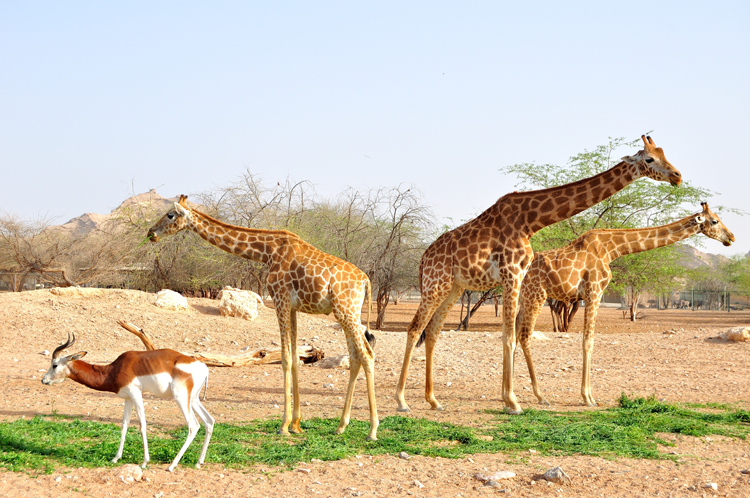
(59, 370)
(174, 221)
(713, 227)
(652, 163)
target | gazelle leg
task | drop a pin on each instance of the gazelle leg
(208, 423)
(125, 424)
(182, 397)
(137, 398)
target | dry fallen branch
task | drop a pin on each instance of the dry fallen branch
(307, 354)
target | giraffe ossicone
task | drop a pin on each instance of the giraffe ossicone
(493, 249)
(300, 278)
(580, 271)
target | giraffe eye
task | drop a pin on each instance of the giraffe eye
(649, 160)
(714, 222)
(170, 216)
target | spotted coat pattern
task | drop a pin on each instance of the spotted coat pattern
(580, 271)
(493, 249)
(300, 278)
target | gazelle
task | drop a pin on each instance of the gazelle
(162, 372)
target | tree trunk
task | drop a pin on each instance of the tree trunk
(635, 297)
(470, 312)
(562, 314)
(382, 303)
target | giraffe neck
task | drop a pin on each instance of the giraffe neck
(249, 243)
(643, 239)
(537, 209)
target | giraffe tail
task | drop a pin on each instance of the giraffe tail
(421, 339)
(371, 339)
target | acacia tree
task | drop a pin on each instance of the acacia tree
(642, 203)
(60, 255)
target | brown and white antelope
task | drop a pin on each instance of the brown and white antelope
(162, 372)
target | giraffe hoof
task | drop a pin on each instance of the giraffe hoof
(544, 402)
(283, 432)
(403, 409)
(372, 438)
(438, 408)
(511, 411)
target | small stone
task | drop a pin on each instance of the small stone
(404, 455)
(711, 485)
(328, 386)
(129, 473)
(418, 484)
(556, 475)
(45, 353)
(745, 471)
(492, 483)
(304, 471)
(58, 478)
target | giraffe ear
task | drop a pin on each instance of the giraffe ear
(700, 219)
(630, 159)
(180, 210)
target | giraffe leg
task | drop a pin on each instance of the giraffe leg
(354, 366)
(589, 317)
(430, 302)
(296, 410)
(347, 312)
(510, 307)
(283, 313)
(528, 311)
(432, 331)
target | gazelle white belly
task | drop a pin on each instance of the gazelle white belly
(158, 384)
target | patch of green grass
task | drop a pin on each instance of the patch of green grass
(41, 444)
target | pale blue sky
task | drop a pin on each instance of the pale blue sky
(184, 96)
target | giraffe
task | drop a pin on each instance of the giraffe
(580, 271)
(300, 278)
(493, 249)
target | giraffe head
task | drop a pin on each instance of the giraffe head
(652, 163)
(174, 221)
(712, 226)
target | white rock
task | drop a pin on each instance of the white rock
(239, 303)
(736, 334)
(171, 300)
(501, 474)
(129, 473)
(556, 475)
(418, 484)
(539, 336)
(339, 361)
(711, 485)
(404, 455)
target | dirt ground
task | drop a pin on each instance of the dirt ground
(635, 358)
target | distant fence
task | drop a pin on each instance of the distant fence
(697, 299)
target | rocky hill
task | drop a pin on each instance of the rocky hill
(148, 203)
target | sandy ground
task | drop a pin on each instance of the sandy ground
(635, 358)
